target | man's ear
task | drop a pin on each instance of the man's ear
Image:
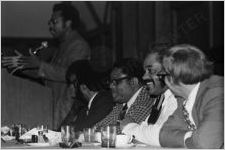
(68, 23)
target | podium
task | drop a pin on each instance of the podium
(25, 102)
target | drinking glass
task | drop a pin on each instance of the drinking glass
(67, 134)
(43, 128)
(89, 134)
(108, 136)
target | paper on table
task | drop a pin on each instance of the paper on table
(8, 138)
(54, 137)
(5, 129)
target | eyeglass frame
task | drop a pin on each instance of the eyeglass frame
(160, 74)
(74, 83)
(52, 21)
(117, 81)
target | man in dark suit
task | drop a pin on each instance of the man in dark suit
(97, 102)
(198, 122)
(132, 98)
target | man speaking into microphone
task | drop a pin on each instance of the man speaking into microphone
(63, 26)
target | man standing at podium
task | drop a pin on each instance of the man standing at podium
(63, 26)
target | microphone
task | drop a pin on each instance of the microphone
(44, 44)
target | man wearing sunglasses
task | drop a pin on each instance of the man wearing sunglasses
(133, 100)
(164, 104)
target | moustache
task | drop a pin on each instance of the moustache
(148, 81)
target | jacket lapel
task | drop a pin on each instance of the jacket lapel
(198, 101)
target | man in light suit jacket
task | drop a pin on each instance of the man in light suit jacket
(128, 92)
(198, 122)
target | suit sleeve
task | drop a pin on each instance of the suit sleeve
(210, 132)
(100, 108)
(77, 109)
(173, 131)
(76, 51)
(111, 118)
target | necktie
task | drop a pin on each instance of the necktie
(190, 126)
(123, 112)
(156, 109)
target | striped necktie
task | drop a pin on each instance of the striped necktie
(156, 109)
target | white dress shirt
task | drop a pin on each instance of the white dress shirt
(149, 134)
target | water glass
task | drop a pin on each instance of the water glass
(108, 136)
(89, 134)
(43, 128)
(67, 134)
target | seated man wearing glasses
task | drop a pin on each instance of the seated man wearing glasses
(164, 105)
(132, 98)
(198, 121)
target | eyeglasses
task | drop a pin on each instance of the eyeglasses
(118, 80)
(152, 71)
(52, 21)
(75, 83)
(162, 76)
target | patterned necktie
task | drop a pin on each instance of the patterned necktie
(190, 126)
(123, 112)
(121, 117)
(156, 109)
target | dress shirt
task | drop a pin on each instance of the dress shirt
(132, 99)
(189, 106)
(90, 102)
(149, 134)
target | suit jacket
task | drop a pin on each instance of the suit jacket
(73, 48)
(137, 112)
(101, 106)
(208, 115)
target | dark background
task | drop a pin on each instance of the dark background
(128, 29)
(118, 29)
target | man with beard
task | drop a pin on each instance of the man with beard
(164, 105)
(132, 99)
(63, 26)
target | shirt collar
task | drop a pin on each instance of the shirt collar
(192, 96)
(133, 98)
(92, 98)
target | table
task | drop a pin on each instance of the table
(13, 145)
